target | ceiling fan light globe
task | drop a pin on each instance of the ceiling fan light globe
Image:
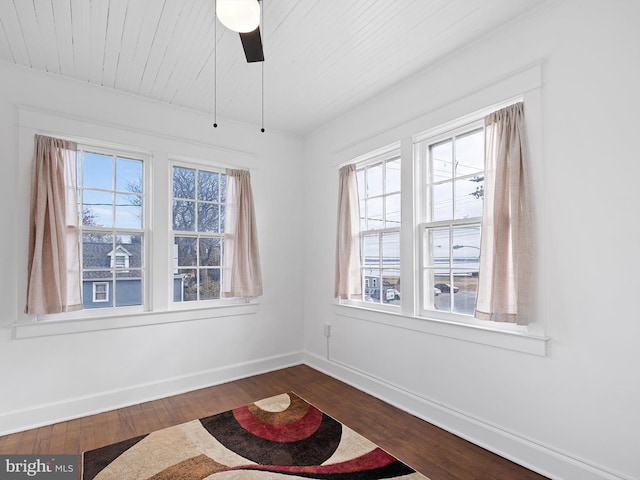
(241, 16)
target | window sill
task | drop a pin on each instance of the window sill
(516, 341)
(43, 328)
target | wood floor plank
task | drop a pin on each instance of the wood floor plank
(432, 451)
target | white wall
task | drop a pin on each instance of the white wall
(574, 412)
(54, 377)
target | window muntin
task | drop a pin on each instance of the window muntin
(380, 221)
(198, 217)
(111, 200)
(453, 192)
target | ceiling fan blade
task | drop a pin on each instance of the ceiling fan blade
(252, 44)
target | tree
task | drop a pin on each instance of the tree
(479, 193)
(201, 190)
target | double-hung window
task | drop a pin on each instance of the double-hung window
(198, 226)
(453, 205)
(451, 197)
(448, 196)
(111, 199)
(379, 195)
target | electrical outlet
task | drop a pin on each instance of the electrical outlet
(327, 330)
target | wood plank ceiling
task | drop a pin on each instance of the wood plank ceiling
(323, 57)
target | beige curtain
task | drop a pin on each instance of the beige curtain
(242, 276)
(348, 277)
(54, 257)
(505, 249)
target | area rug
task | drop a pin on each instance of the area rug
(281, 437)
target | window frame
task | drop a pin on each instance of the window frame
(425, 224)
(390, 153)
(100, 148)
(173, 267)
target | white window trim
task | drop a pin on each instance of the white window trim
(457, 127)
(386, 153)
(95, 292)
(128, 319)
(192, 304)
(483, 335)
(87, 145)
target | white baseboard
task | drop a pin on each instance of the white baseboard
(526, 452)
(47, 414)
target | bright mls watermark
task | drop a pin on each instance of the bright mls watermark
(39, 467)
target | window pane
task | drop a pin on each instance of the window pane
(392, 171)
(391, 286)
(128, 211)
(392, 211)
(208, 217)
(441, 202)
(95, 250)
(223, 188)
(466, 247)
(437, 248)
(209, 283)
(391, 249)
(97, 208)
(470, 153)
(210, 252)
(96, 289)
(374, 214)
(464, 291)
(441, 161)
(184, 183)
(363, 214)
(184, 214)
(374, 180)
(373, 283)
(128, 175)
(208, 186)
(97, 171)
(187, 251)
(128, 288)
(186, 285)
(430, 292)
(442, 297)
(469, 197)
(371, 250)
(133, 248)
(222, 218)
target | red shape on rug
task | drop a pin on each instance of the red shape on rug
(292, 432)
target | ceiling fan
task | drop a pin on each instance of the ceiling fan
(243, 16)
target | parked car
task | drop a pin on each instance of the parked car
(372, 294)
(446, 288)
(388, 294)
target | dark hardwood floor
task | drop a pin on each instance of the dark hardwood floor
(432, 451)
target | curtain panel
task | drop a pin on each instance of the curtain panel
(504, 284)
(242, 276)
(54, 284)
(348, 282)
